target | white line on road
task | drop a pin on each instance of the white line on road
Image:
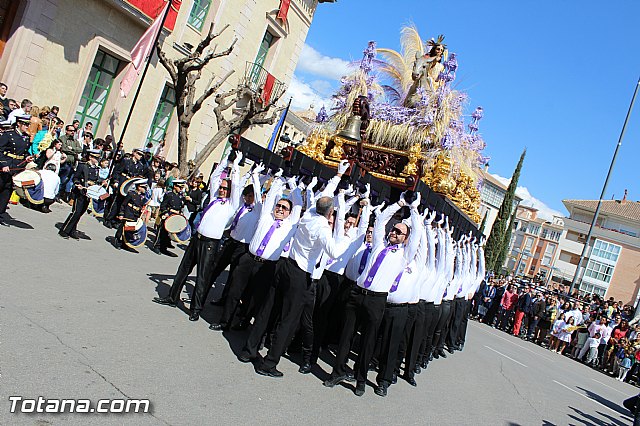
(610, 387)
(589, 398)
(506, 356)
(537, 353)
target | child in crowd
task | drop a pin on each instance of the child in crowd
(580, 341)
(625, 365)
(593, 343)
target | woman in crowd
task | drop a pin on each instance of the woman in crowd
(488, 293)
(35, 123)
(555, 330)
(54, 155)
(564, 334)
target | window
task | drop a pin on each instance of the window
(533, 229)
(605, 250)
(546, 260)
(551, 248)
(162, 116)
(96, 90)
(599, 271)
(592, 289)
(261, 57)
(198, 13)
(528, 244)
(492, 195)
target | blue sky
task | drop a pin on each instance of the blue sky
(555, 77)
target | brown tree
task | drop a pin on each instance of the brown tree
(249, 109)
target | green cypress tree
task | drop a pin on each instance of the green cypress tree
(484, 222)
(496, 237)
(502, 256)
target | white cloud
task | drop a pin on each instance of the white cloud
(303, 95)
(544, 211)
(313, 62)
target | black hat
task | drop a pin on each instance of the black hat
(23, 119)
(138, 150)
(95, 153)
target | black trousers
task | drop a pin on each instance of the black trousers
(442, 328)
(392, 331)
(366, 309)
(162, 237)
(412, 338)
(258, 275)
(504, 316)
(110, 215)
(201, 253)
(457, 311)
(316, 317)
(431, 318)
(80, 204)
(229, 255)
(533, 323)
(291, 288)
(462, 334)
(6, 189)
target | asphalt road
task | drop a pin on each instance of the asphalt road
(77, 321)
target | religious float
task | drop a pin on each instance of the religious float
(400, 118)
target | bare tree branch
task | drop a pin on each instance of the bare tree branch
(199, 64)
(167, 64)
(210, 91)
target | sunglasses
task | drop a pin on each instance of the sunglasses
(397, 231)
(226, 188)
(283, 207)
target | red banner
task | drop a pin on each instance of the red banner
(152, 9)
(284, 10)
(267, 89)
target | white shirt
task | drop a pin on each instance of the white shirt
(50, 183)
(408, 290)
(214, 221)
(13, 114)
(444, 264)
(157, 194)
(576, 314)
(395, 260)
(281, 235)
(310, 242)
(248, 219)
(429, 275)
(339, 264)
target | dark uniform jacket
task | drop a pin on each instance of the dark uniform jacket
(172, 203)
(132, 206)
(13, 150)
(87, 175)
(127, 168)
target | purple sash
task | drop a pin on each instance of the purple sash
(377, 263)
(237, 217)
(364, 258)
(267, 237)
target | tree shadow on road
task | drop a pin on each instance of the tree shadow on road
(588, 419)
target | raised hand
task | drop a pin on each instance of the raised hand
(343, 166)
(278, 173)
(236, 162)
(416, 202)
(259, 168)
(377, 209)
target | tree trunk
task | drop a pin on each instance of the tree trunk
(183, 148)
(220, 136)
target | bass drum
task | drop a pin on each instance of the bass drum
(178, 228)
(135, 233)
(28, 185)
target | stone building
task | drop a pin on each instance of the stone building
(72, 53)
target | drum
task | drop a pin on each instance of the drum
(178, 228)
(127, 186)
(175, 223)
(28, 185)
(97, 192)
(97, 207)
(135, 233)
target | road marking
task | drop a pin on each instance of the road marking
(506, 356)
(610, 387)
(589, 398)
(513, 343)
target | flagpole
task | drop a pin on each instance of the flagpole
(144, 73)
(286, 111)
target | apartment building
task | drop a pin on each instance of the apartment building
(491, 196)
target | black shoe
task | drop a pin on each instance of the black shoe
(272, 372)
(164, 301)
(461, 347)
(440, 353)
(431, 356)
(107, 224)
(216, 326)
(156, 250)
(64, 235)
(417, 369)
(381, 390)
(244, 357)
(450, 349)
(411, 380)
(195, 316)
(350, 377)
(332, 381)
(394, 379)
(46, 209)
(305, 368)
(360, 386)
(424, 364)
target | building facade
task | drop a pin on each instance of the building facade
(611, 267)
(534, 244)
(72, 54)
(491, 196)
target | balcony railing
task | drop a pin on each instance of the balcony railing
(260, 81)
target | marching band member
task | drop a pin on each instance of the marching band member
(131, 209)
(172, 203)
(14, 146)
(86, 174)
